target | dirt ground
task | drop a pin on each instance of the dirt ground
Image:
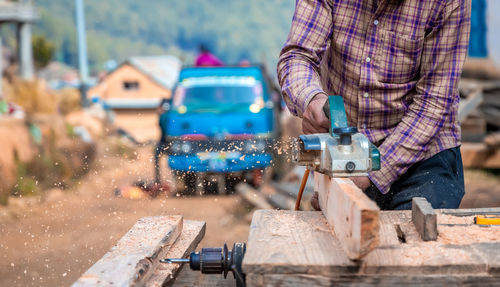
(54, 242)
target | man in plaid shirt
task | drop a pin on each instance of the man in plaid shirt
(397, 64)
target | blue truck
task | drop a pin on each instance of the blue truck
(220, 127)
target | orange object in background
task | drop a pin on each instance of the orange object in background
(142, 190)
(132, 192)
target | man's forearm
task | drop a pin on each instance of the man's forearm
(298, 65)
(299, 82)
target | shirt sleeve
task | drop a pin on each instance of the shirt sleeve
(444, 52)
(300, 58)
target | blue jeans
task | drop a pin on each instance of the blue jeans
(440, 179)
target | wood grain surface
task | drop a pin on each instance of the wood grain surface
(192, 233)
(353, 216)
(131, 261)
(292, 242)
(287, 248)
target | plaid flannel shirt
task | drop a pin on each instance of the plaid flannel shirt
(396, 64)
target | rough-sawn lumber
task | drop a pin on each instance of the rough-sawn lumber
(287, 248)
(293, 242)
(253, 196)
(192, 233)
(424, 218)
(132, 260)
(353, 216)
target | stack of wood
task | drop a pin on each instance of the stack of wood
(479, 113)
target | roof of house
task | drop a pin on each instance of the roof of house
(164, 70)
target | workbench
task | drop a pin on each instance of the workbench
(350, 242)
(287, 248)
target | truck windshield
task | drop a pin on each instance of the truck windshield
(218, 94)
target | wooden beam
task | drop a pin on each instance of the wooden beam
(353, 216)
(276, 198)
(478, 155)
(371, 280)
(287, 248)
(424, 218)
(192, 233)
(132, 260)
(468, 105)
(290, 242)
(252, 196)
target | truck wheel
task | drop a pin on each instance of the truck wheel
(190, 183)
(231, 182)
(187, 180)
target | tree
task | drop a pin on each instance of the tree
(43, 51)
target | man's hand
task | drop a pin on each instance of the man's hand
(363, 182)
(314, 119)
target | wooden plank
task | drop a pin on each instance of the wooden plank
(364, 280)
(188, 278)
(290, 242)
(277, 199)
(473, 129)
(416, 257)
(425, 259)
(424, 218)
(290, 249)
(292, 189)
(490, 251)
(192, 233)
(471, 211)
(478, 155)
(470, 104)
(252, 196)
(389, 221)
(353, 216)
(132, 260)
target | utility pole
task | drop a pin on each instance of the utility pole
(82, 51)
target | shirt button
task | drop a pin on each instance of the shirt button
(368, 59)
(375, 22)
(366, 95)
(363, 126)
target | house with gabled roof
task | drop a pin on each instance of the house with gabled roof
(134, 90)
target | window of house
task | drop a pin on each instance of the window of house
(131, 85)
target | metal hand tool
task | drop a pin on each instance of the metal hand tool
(343, 152)
(216, 261)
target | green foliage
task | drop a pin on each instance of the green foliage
(117, 29)
(25, 185)
(43, 51)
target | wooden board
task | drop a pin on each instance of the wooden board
(188, 278)
(290, 242)
(353, 216)
(192, 233)
(131, 261)
(480, 156)
(470, 104)
(364, 280)
(276, 198)
(424, 218)
(253, 196)
(287, 248)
